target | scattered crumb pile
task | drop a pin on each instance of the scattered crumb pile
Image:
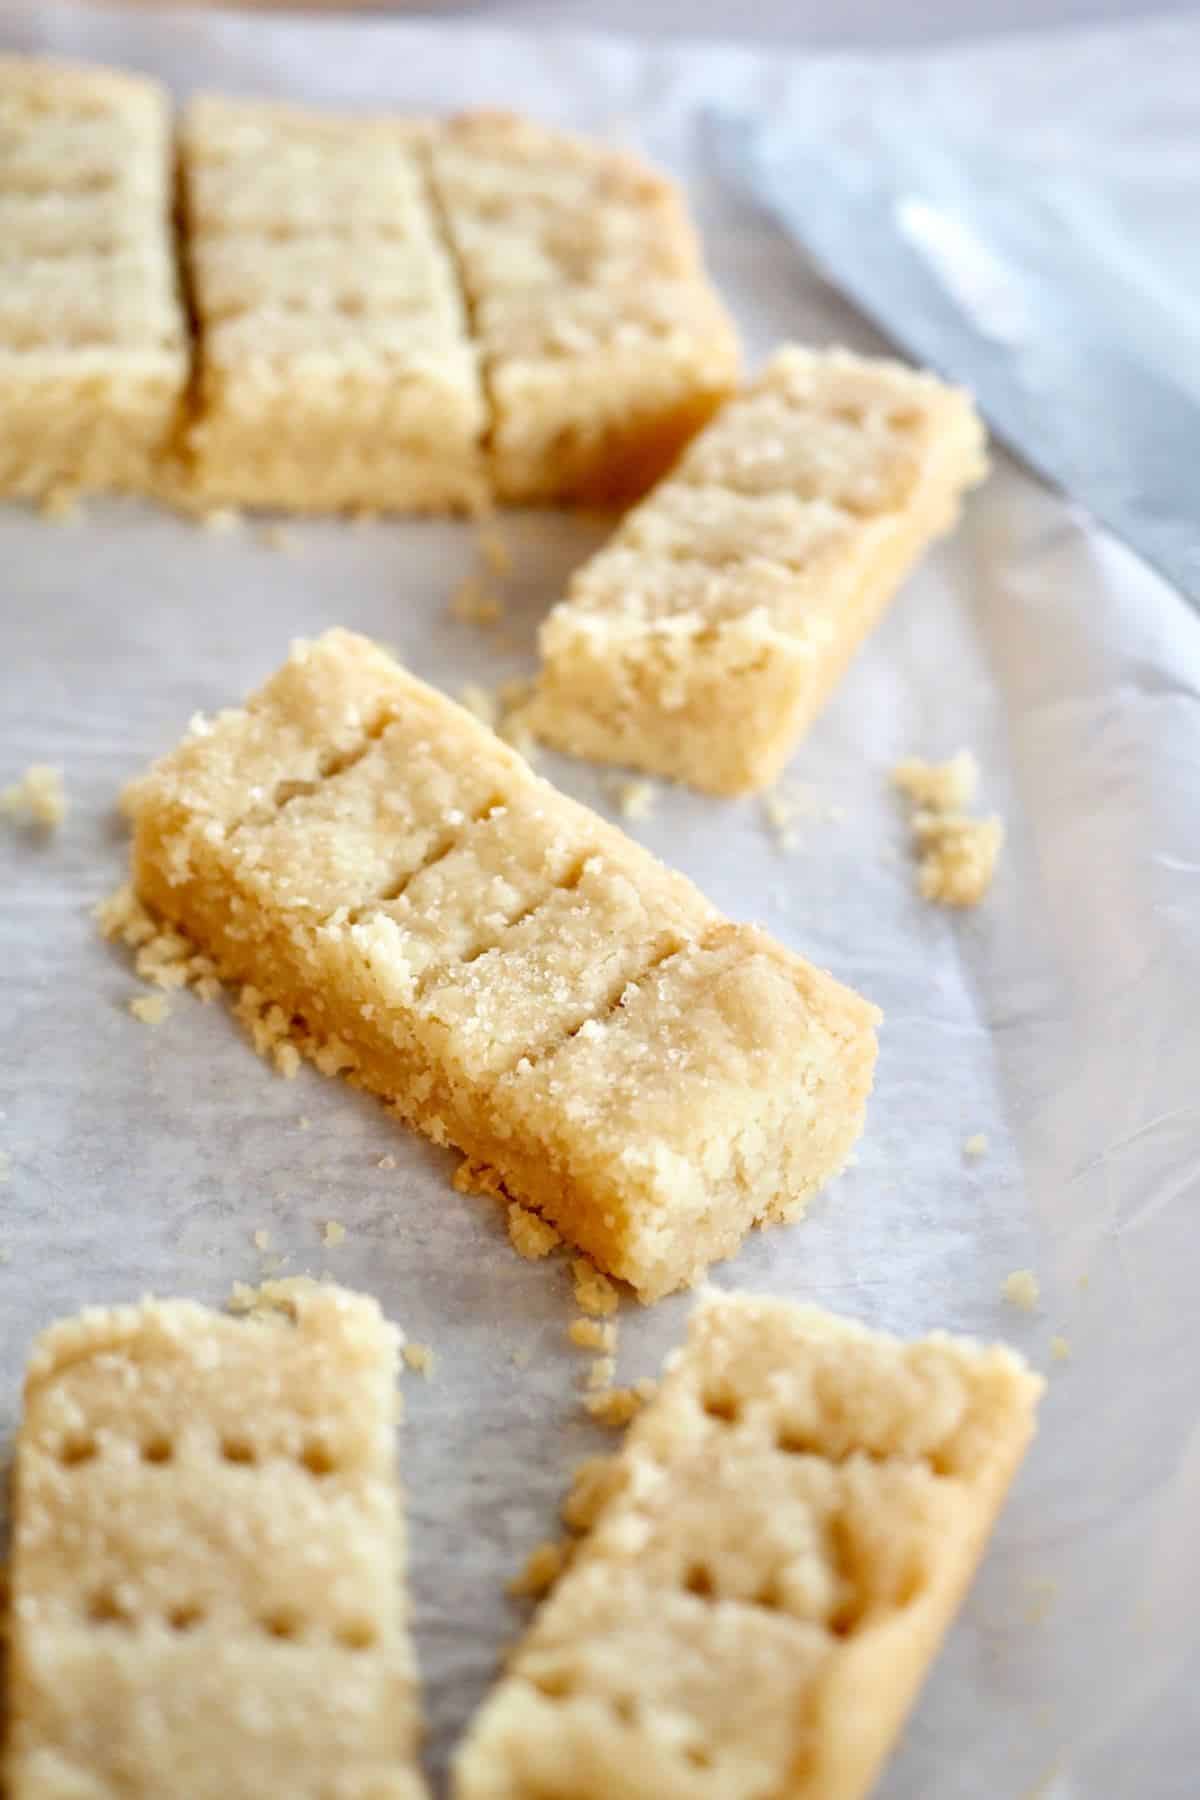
(164, 957)
(1021, 1289)
(530, 1236)
(419, 1358)
(789, 802)
(39, 797)
(594, 1292)
(957, 853)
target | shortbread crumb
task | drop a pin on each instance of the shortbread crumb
(958, 856)
(600, 1375)
(38, 796)
(386, 1162)
(594, 1292)
(541, 1570)
(976, 1145)
(420, 1358)
(333, 1234)
(1021, 1289)
(303, 1123)
(530, 1236)
(262, 1240)
(287, 1060)
(634, 799)
(1060, 1349)
(150, 1009)
(590, 1334)
(220, 521)
(938, 787)
(614, 1407)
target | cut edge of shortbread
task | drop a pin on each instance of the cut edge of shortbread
(701, 642)
(769, 1565)
(240, 1613)
(398, 893)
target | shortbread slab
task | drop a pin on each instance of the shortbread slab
(93, 343)
(208, 1557)
(517, 976)
(702, 642)
(335, 366)
(604, 344)
(772, 1560)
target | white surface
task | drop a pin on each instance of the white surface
(1060, 1019)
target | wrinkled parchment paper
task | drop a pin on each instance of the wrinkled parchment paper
(1060, 1019)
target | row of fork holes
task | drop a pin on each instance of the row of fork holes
(315, 1456)
(725, 1407)
(897, 418)
(282, 1623)
(722, 1405)
(560, 1684)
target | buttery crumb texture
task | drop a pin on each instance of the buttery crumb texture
(604, 346)
(93, 347)
(772, 1560)
(512, 972)
(705, 637)
(335, 367)
(237, 1625)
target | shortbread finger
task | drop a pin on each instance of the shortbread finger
(208, 1557)
(518, 977)
(335, 365)
(772, 1561)
(604, 344)
(705, 638)
(93, 346)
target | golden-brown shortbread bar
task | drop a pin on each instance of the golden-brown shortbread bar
(773, 1558)
(517, 976)
(335, 367)
(706, 636)
(208, 1557)
(93, 345)
(605, 347)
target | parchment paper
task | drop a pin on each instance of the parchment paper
(1060, 1019)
